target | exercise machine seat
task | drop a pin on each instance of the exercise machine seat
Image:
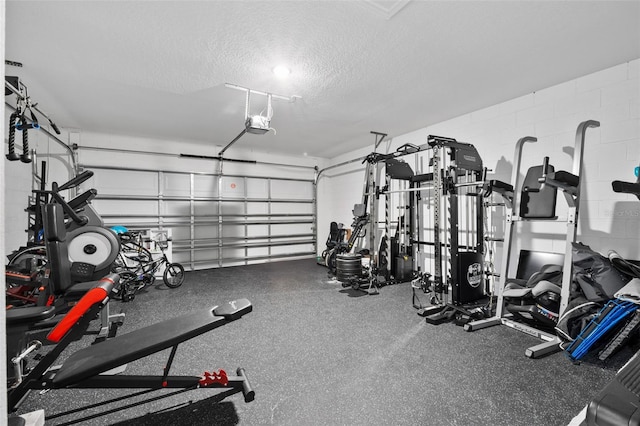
(336, 235)
(124, 348)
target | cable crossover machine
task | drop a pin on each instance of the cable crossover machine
(448, 230)
(432, 231)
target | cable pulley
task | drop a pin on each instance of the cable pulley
(23, 119)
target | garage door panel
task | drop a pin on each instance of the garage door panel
(215, 221)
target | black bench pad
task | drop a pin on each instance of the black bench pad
(567, 178)
(29, 314)
(626, 187)
(500, 186)
(125, 348)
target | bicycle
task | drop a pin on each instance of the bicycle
(137, 267)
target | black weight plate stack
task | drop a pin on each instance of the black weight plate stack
(349, 265)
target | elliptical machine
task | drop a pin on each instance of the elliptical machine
(92, 248)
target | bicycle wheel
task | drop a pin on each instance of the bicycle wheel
(173, 275)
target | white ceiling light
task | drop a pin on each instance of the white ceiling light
(281, 71)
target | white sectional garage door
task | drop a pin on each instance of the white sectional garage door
(215, 220)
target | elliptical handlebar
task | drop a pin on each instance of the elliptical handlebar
(82, 177)
(71, 210)
(80, 220)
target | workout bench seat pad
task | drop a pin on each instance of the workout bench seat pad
(125, 348)
(500, 186)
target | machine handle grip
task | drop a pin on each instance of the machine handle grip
(87, 174)
(80, 220)
(545, 170)
(247, 390)
(12, 156)
(25, 157)
(55, 128)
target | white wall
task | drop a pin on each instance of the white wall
(607, 220)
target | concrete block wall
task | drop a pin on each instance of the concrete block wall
(607, 220)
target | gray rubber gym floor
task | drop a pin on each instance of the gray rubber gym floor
(318, 354)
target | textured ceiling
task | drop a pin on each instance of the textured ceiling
(158, 69)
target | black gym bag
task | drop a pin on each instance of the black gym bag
(595, 281)
(598, 279)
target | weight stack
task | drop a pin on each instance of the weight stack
(348, 265)
(470, 285)
(403, 270)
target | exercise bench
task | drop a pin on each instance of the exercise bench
(92, 367)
